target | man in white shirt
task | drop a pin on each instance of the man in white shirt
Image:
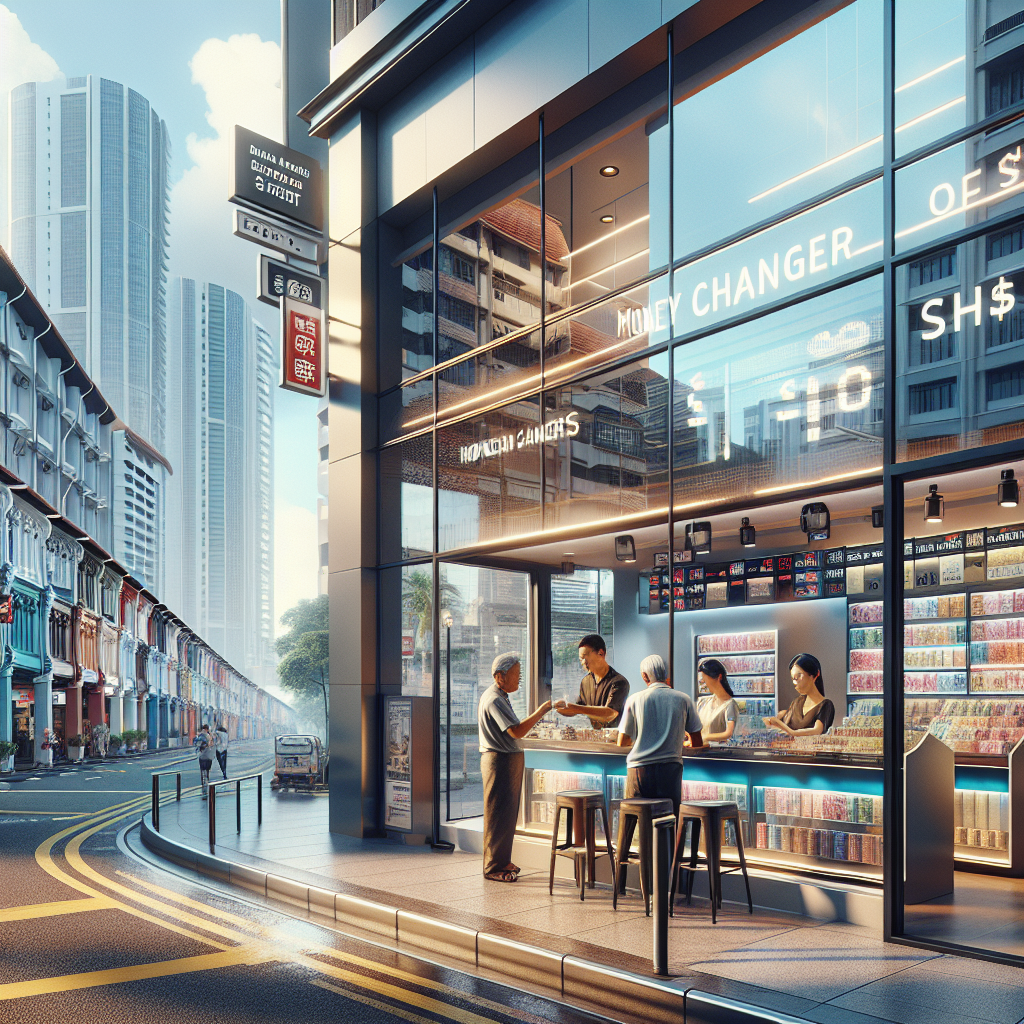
(652, 726)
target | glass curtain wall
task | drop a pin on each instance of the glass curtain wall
(873, 237)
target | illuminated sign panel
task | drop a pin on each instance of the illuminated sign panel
(525, 437)
(303, 348)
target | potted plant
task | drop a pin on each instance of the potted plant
(113, 741)
(142, 734)
(76, 747)
(7, 751)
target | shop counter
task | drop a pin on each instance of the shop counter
(817, 814)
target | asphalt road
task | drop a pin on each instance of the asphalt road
(90, 932)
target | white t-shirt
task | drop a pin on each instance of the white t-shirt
(715, 714)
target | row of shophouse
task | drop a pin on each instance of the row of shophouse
(82, 639)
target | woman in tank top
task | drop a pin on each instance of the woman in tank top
(811, 714)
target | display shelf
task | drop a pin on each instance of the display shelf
(981, 826)
(749, 660)
(864, 647)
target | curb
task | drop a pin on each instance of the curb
(566, 976)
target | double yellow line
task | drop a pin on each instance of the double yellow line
(237, 941)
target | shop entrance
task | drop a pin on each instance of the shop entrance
(962, 604)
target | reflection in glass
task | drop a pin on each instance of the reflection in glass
(813, 107)
(580, 604)
(932, 71)
(960, 346)
(630, 322)
(489, 376)
(406, 483)
(489, 476)
(611, 459)
(417, 630)
(960, 186)
(407, 408)
(822, 243)
(792, 399)
(406, 319)
(490, 610)
(614, 224)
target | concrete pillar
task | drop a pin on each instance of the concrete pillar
(44, 717)
(73, 712)
(96, 707)
(131, 718)
(152, 721)
(6, 718)
(165, 723)
(116, 715)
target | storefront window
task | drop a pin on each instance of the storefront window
(611, 209)
(489, 476)
(609, 458)
(960, 345)
(629, 322)
(959, 187)
(743, 156)
(932, 72)
(490, 614)
(406, 483)
(784, 402)
(407, 408)
(580, 604)
(407, 630)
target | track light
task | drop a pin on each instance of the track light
(625, 548)
(748, 535)
(1008, 492)
(698, 537)
(934, 505)
(816, 521)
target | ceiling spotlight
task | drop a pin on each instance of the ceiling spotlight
(698, 537)
(609, 171)
(607, 219)
(816, 521)
(934, 505)
(748, 535)
(625, 549)
(878, 516)
(568, 565)
(1008, 492)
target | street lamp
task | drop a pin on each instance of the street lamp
(447, 622)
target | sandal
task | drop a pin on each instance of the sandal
(502, 876)
(514, 868)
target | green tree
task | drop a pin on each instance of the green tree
(418, 598)
(304, 650)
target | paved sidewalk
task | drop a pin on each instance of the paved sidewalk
(831, 973)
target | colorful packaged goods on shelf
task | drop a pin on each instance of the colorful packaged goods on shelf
(868, 636)
(865, 682)
(866, 612)
(935, 682)
(723, 643)
(935, 633)
(934, 657)
(861, 848)
(998, 652)
(998, 629)
(749, 663)
(949, 607)
(981, 838)
(997, 602)
(866, 661)
(997, 681)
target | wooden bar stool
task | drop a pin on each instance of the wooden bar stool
(581, 807)
(643, 810)
(707, 817)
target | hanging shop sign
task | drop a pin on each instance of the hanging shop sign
(274, 234)
(567, 426)
(303, 348)
(277, 179)
(279, 280)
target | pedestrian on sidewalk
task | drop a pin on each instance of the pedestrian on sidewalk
(204, 744)
(501, 765)
(222, 749)
(652, 726)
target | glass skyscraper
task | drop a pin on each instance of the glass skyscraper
(89, 232)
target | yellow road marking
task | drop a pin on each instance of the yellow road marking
(117, 975)
(31, 912)
(187, 901)
(403, 995)
(375, 1003)
(49, 814)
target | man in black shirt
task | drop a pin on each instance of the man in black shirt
(603, 691)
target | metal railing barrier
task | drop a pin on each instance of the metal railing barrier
(237, 783)
(664, 834)
(157, 776)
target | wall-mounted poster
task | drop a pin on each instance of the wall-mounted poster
(398, 766)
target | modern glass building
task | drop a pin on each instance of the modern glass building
(220, 511)
(609, 283)
(89, 232)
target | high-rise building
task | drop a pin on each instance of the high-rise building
(88, 219)
(220, 516)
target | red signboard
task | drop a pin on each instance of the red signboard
(303, 348)
(408, 646)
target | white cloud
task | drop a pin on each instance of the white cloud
(296, 558)
(241, 77)
(21, 60)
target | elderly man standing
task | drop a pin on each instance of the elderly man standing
(501, 764)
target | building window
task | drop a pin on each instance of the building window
(933, 396)
(1006, 382)
(933, 268)
(1005, 242)
(1005, 88)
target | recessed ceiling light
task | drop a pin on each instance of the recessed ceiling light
(609, 171)
(607, 219)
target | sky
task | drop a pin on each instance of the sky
(204, 67)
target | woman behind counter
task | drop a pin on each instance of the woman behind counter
(811, 713)
(717, 709)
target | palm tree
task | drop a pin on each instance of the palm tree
(418, 598)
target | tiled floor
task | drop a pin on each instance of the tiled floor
(830, 973)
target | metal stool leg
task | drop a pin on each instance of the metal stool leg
(611, 857)
(694, 848)
(554, 848)
(645, 863)
(743, 863)
(591, 836)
